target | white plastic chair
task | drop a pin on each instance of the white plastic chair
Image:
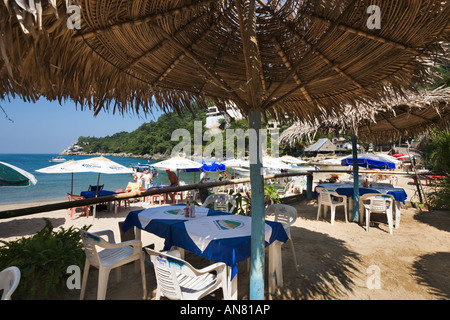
(299, 184)
(330, 198)
(9, 280)
(288, 189)
(178, 280)
(378, 203)
(286, 215)
(382, 184)
(114, 255)
(221, 202)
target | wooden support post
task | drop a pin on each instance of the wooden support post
(309, 186)
(355, 178)
(258, 214)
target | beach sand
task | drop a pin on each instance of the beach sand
(336, 261)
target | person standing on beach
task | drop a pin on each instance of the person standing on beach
(138, 176)
(173, 181)
(203, 192)
(147, 177)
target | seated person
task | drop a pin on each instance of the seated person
(173, 179)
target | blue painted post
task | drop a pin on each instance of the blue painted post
(257, 202)
(355, 178)
(309, 186)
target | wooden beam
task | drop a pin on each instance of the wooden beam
(363, 33)
(272, 99)
(203, 65)
(139, 21)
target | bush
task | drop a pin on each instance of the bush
(437, 153)
(43, 260)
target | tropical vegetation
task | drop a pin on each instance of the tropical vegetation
(437, 154)
(43, 260)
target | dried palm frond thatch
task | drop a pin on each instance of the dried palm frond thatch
(291, 58)
(384, 121)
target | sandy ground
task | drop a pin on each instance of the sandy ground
(340, 261)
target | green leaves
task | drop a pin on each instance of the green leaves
(43, 260)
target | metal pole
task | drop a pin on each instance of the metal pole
(257, 210)
(355, 178)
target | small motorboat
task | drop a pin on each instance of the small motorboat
(57, 159)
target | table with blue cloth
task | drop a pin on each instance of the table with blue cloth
(346, 189)
(215, 235)
(98, 194)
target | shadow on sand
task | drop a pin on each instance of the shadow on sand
(432, 271)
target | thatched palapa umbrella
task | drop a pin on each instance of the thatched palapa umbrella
(388, 120)
(286, 58)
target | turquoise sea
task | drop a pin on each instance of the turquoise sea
(53, 186)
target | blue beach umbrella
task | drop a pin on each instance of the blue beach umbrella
(12, 176)
(370, 161)
(208, 166)
(212, 166)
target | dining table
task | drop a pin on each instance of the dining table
(347, 189)
(93, 194)
(97, 194)
(215, 235)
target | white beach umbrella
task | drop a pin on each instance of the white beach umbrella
(292, 160)
(97, 165)
(177, 163)
(236, 163)
(274, 163)
(336, 161)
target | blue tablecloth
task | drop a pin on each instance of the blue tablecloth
(345, 189)
(101, 193)
(215, 235)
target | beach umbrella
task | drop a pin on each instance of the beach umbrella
(369, 161)
(95, 165)
(177, 163)
(212, 166)
(236, 163)
(292, 160)
(274, 163)
(59, 168)
(286, 59)
(398, 155)
(12, 176)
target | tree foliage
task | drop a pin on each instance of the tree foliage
(153, 137)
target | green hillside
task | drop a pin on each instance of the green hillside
(150, 138)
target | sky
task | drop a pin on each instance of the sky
(50, 127)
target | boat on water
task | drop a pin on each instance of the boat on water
(57, 159)
(143, 167)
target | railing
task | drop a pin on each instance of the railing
(138, 194)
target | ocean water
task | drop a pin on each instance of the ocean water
(54, 186)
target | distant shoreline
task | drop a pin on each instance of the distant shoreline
(121, 155)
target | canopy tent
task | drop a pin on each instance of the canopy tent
(295, 59)
(12, 176)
